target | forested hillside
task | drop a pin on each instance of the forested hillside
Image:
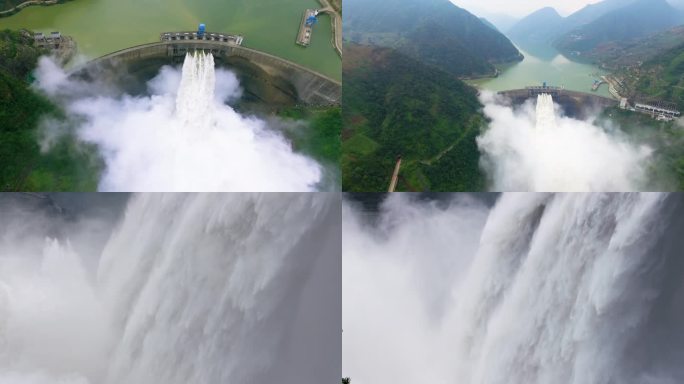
(638, 19)
(396, 106)
(23, 166)
(432, 31)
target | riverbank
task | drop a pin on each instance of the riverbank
(19, 7)
(544, 64)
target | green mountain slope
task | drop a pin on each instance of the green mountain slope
(662, 77)
(23, 166)
(541, 26)
(396, 106)
(434, 31)
(632, 53)
(592, 12)
(546, 25)
(638, 19)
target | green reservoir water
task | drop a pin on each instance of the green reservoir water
(103, 26)
(543, 63)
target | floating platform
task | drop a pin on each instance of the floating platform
(305, 30)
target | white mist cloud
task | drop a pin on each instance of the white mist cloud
(146, 146)
(399, 282)
(573, 155)
(541, 288)
(185, 288)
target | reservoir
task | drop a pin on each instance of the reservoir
(543, 63)
(104, 26)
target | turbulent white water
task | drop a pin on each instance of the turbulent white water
(546, 114)
(183, 137)
(230, 288)
(195, 100)
(538, 149)
(580, 288)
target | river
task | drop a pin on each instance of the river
(103, 26)
(543, 63)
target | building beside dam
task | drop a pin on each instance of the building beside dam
(658, 110)
(61, 46)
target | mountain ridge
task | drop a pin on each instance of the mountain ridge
(434, 31)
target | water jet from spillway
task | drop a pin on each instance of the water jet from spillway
(546, 115)
(195, 100)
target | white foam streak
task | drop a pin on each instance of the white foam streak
(546, 115)
(195, 100)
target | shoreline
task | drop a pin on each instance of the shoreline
(17, 8)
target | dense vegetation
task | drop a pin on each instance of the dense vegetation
(597, 25)
(546, 25)
(318, 137)
(396, 106)
(650, 68)
(666, 138)
(432, 31)
(632, 53)
(321, 138)
(6, 5)
(23, 166)
(662, 77)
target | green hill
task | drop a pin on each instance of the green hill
(662, 77)
(396, 106)
(546, 25)
(638, 19)
(23, 166)
(592, 12)
(633, 53)
(432, 31)
(539, 26)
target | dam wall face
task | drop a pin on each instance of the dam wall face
(575, 104)
(307, 86)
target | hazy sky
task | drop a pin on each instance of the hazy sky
(520, 8)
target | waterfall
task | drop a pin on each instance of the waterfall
(206, 288)
(546, 115)
(568, 288)
(568, 293)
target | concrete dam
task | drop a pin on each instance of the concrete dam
(575, 104)
(280, 78)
